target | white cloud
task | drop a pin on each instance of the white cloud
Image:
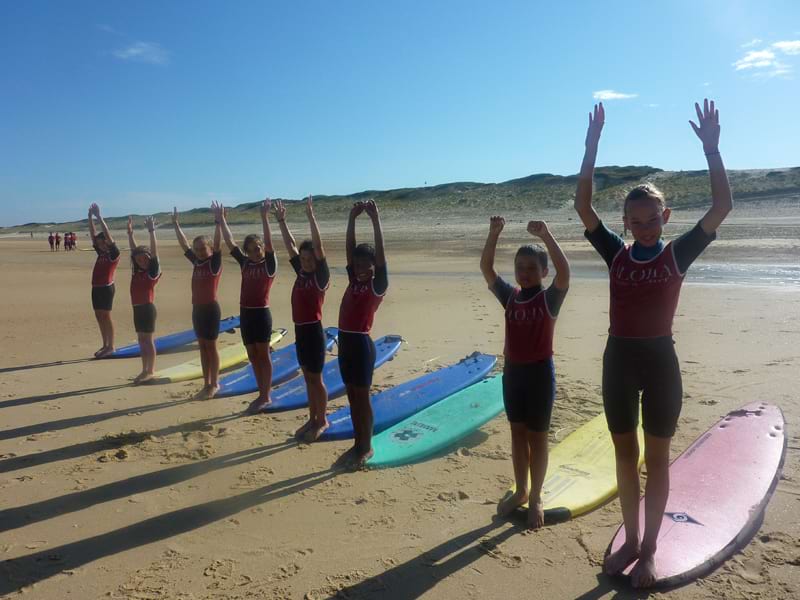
(146, 52)
(652, 105)
(755, 59)
(612, 95)
(751, 43)
(790, 47)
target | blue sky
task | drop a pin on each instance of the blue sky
(144, 105)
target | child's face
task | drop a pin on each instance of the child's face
(363, 268)
(529, 271)
(255, 250)
(202, 250)
(308, 262)
(645, 219)
(142, 261)
(102, 243)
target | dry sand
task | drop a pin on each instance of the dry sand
(113, 491)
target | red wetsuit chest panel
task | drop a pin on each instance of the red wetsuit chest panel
(104, 270)
(529, 329)
(256, 283)
(358, 307)
(204, 282)
(143, 287)
(307, 299)
(644, 294)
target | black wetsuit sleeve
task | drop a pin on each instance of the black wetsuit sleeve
(502, 290)
(381, 282)
(272, 264)
(606, 242)
(216, 262)
(238, 255)
(96, 249)
(295, 262)
(691, 245)
(113, 252)
(154, 268)
(323, 274)
(191, 256)
(555, 298)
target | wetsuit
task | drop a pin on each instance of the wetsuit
(105, 266)
(308, 295)
(205, 281)
(257, 279)
(143, 284)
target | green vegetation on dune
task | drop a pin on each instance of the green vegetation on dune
(684, 189)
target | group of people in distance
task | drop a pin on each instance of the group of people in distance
(54, 239)
(645, 282)
(367, 285)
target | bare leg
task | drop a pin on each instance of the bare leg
(252, 355)
(318, 406)
(537, 441)
(213, 368)
(106, 331)
(656, 456)
(361, 414)
(99, 316)
(626, 449)
(148, 350)
(520, 460)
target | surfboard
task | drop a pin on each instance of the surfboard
(229, 356)
(395, 404)
(292, 394)
(719, 488)
(438, 426)
(284, 366)
(581, 472)
(173, 340)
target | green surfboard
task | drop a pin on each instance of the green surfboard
(438, 426)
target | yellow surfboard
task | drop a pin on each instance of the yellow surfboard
(229, 356)
(581, 472)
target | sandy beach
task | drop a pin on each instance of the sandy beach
(122, 492)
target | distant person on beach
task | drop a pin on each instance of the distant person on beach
(58, 242)
(646, 279)
(308, 294)
(368, 282)
(206, 259)
(146, 271)
(258, 266)
(103, 279)
(51, 239)
(529, 378)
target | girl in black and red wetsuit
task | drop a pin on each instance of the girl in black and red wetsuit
(206, 259)
(529, 379)
(145, 276)
(646, 279)
(258, 267)
(368, 282)
(105, 266)
(308, 295)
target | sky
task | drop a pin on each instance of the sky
(141, 106)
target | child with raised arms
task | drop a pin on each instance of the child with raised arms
(258, 266)
(105, 266)
(529, 380)
(145, 276)
(646, 279)
(368, 282)
(206, 259)
(308, 295)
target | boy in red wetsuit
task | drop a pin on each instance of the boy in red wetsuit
(58, 242)
(646, 279)
(258, 266)
(105, 266)
(308, 295)
(529, 380)
(206, 259)
(51, 239)
(144, 277)
(368, 282)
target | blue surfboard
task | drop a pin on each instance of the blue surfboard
(284, 365)
(171, 341)
(395, 404)
(292, 394)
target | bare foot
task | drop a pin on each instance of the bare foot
(346, 458)
(145, 377)
(302, 430)
(213, 390)
(99, 352)
(202, 394)
(643, 575)
(359, 461)
(535, 515)
(615, 563)
(312, 433)
(103, 352)
(257, 406)
(138, 379)
(511, 501)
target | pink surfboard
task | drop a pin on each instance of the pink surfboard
(719, 488)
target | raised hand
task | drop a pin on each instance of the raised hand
(371, 209)
(150, 223)
(280, 210)
(707, 128)
(496, 225)
(174, 215)
(265, 206)
(538, 228)
(309, 206)
(130, 225)
(218, 210)
(94, 210)
(597, 119)
(357, 209)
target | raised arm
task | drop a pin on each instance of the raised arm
(131, 239)
(350, 238)
(90, 220)
(178, 231)
(316, 238)
(372, 210)
(150, 223)
(583, 195)
(557, 256)
(496, 225)
(96, 209)
(288, 238)
(222, 225)
(265, 206)
(708, 131)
